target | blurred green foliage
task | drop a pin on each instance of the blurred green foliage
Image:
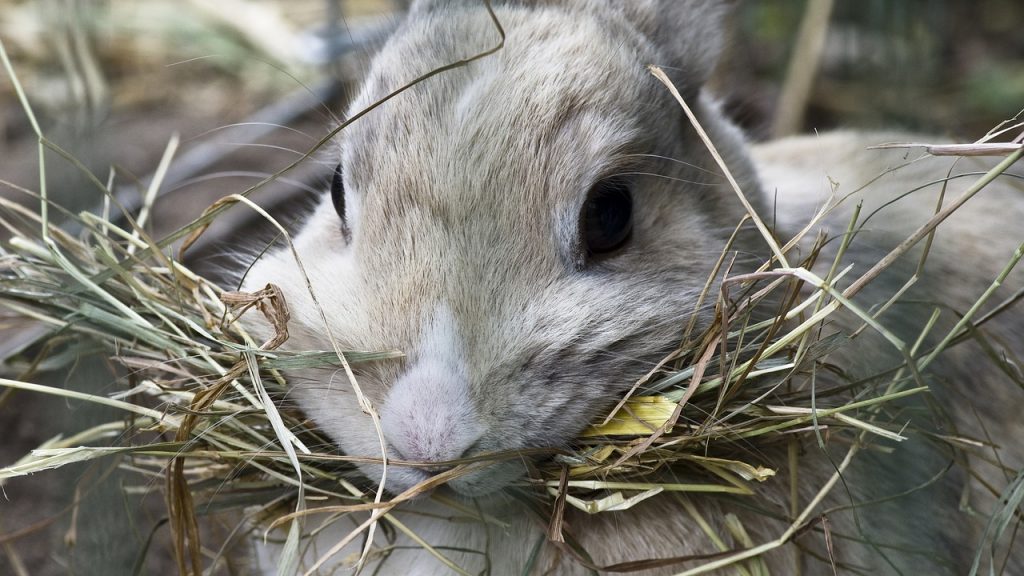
(945, 66)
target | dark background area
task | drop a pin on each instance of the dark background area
(945, 67)
(112, 81)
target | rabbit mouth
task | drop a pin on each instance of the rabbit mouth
(488, 481)
(479, 483)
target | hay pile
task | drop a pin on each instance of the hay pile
(200, 401)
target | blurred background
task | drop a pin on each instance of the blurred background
(944, 67)
(250, 85)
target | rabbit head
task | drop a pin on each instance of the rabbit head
(531, 229)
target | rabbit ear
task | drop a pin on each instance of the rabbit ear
(689, 33)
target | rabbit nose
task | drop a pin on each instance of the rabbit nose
(429, 416)
(428, 446)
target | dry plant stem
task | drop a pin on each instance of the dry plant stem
(364, 403)
(686, 333)
(1006, 126)
(955, 331)
(35, 128)
(793, 459)
(747, 370)
(803, 68)
(797, 332)
(976, 149)
(925, 229)
(555, 526)
(824, 412)
(765, 233)
(835, 202)
(154, 186)
(55, 257)
(1010, 500)
(413, 492)
(156, 415)
(382, 509)
(705, 527)
(353, 491)
(844, 300)
(814, 319)
(830, 278)
(797, 523)
(17, 565)
(180, 504)
(289, 443)
(962, 325)
(698, 373)
(926, 250)
(677, 487)
(706, 289)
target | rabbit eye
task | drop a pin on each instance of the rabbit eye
(338, 200)
(338, 193)
(607, 216)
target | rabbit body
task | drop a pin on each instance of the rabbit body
(459, 244)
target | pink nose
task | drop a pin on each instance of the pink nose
(428, 439)
(429, 416)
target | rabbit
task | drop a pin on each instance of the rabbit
(533, 229)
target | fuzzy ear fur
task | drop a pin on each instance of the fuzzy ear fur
(688, 33)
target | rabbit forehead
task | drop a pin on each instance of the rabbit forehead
(507, 145)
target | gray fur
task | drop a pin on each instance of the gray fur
(463, 196)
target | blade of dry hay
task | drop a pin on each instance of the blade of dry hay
(614, 502)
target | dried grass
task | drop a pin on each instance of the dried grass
(202, 411)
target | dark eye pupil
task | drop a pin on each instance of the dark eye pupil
(338, 193)
(607, 216)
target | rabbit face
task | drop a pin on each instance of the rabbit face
(532, 230)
